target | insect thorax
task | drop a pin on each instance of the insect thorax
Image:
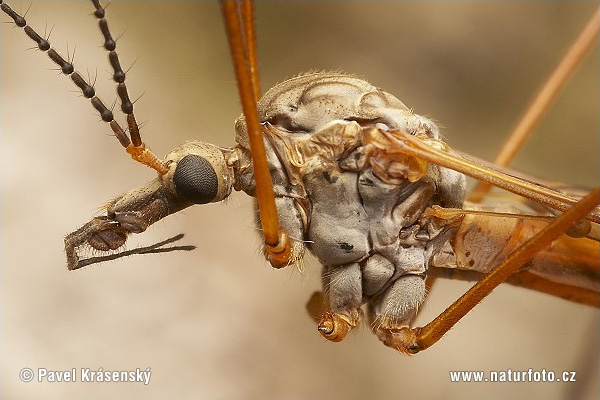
(348, 204)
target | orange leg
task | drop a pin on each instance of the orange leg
(413, 340)
(543, 100)
(239, 22)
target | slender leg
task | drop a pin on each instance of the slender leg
(413, 340)
(238, 20)
(580, 229)
(395, 142)
(543, 100)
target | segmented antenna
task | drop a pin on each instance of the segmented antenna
(119, 77)
(134, 145)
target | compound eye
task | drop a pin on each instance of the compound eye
(195, 179)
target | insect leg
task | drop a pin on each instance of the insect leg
(413, 340)
(398, 142)
(543, 100)
(247, 20)
(581, 229)
(397, 306)
(343, 294)
(277, 242)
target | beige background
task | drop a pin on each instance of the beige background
(219, 322)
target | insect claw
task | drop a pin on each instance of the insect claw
(334, 327)
(403, 339)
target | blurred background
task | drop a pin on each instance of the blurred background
(219, 322)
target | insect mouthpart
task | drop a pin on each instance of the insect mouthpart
(197, 173)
